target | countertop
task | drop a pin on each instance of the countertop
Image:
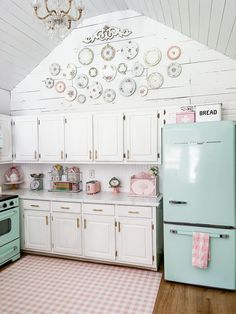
(82, 197)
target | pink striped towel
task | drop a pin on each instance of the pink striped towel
(201, 249)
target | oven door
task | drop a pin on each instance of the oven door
(9, 225)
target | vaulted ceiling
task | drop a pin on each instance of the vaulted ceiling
(24, 43)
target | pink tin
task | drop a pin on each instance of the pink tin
(185, 117)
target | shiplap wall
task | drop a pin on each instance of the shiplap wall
(207, 76)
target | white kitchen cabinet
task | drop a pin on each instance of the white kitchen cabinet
(51, 138)
(108, 137)
(134, 241)
(37, 230)
(141, 136)
(25, 134)
(79, 137)
(99, 236)
(66, 233)
(6, 133)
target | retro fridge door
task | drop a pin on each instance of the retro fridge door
(199, 173)
(178, 257)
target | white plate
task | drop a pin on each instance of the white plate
(152, 57)
(81, 98)
(127, 87)
(70, 93)
(174, 52)
(71, 71)
(155, 80)
(109, 72)
(60, 86)
(81, 80)
(49, 82)
(137, 69)
(95, 90)
(130, 50)
(86, 56)
(143, 90)
(54, 69)
(109, 95)
(108, 52)
(174, 70)
(122, 68)
(93, 72)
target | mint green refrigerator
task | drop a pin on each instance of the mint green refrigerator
(199, 196)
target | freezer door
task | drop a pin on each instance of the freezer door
(199, 173)
(178, 257)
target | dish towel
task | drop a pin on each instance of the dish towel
(201, 250)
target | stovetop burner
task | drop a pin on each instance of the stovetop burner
(6, 197)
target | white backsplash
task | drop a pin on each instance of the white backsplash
(103, 173)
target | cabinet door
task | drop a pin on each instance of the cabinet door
(37, 230)
(134, 241)
(51, 138)
(99, 237)
(6, 132)
(78, 137)
(108, 137)
(25, 138)
(66, 233)
(141, 136)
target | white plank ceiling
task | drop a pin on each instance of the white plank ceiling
(24, 43)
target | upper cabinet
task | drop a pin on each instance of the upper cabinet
(51, 138)
(79, 137)
(25, 133)
(141, 136)
(108, 137)
(6, 133)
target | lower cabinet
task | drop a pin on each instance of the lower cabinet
(134, 240)
(37, 230)
(66, 233)
(99, 236)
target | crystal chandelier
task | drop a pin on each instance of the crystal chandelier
(58, 15)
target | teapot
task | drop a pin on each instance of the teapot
(13, 178)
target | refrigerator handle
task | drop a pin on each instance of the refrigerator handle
(189, 233)
(178, 202)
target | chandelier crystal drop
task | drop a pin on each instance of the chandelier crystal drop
(58, 15)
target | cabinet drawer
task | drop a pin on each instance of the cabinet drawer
(134, 211)
(37, 205)
(66, 207)
(99, 209)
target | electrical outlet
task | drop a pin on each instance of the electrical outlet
(91, 174)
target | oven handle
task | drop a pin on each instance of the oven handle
(8, 216)
(8, 252)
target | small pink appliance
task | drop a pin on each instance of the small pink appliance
(93, 187)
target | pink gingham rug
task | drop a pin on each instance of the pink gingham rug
(46, 285)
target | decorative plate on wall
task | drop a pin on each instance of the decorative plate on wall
(81, 80)
(174, 69)
(93, 72)
(122, 68)
(109, 95)
(55, 69)
(49, 82)
(152, 57)
(174, 52)
(108, 52)
(81, 98)
(127, 87)
(109, 72)
(130, 50)
(143, 90)
(155, 80)
(137, 69)
(95, 90)
(71, 71)
(60, 86)
(85, 56)
(70, 93)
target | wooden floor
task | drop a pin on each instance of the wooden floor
(175, 298)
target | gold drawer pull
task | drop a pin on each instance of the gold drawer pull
(32, 205)
(96, 154)
(85, 224)
(35, 155)
(62, 155)
(90, 154)
(133, 212)
(63, 207)
(97, 210)
(78, 223)
(118, 226)
(127, 153)
(46, 220)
